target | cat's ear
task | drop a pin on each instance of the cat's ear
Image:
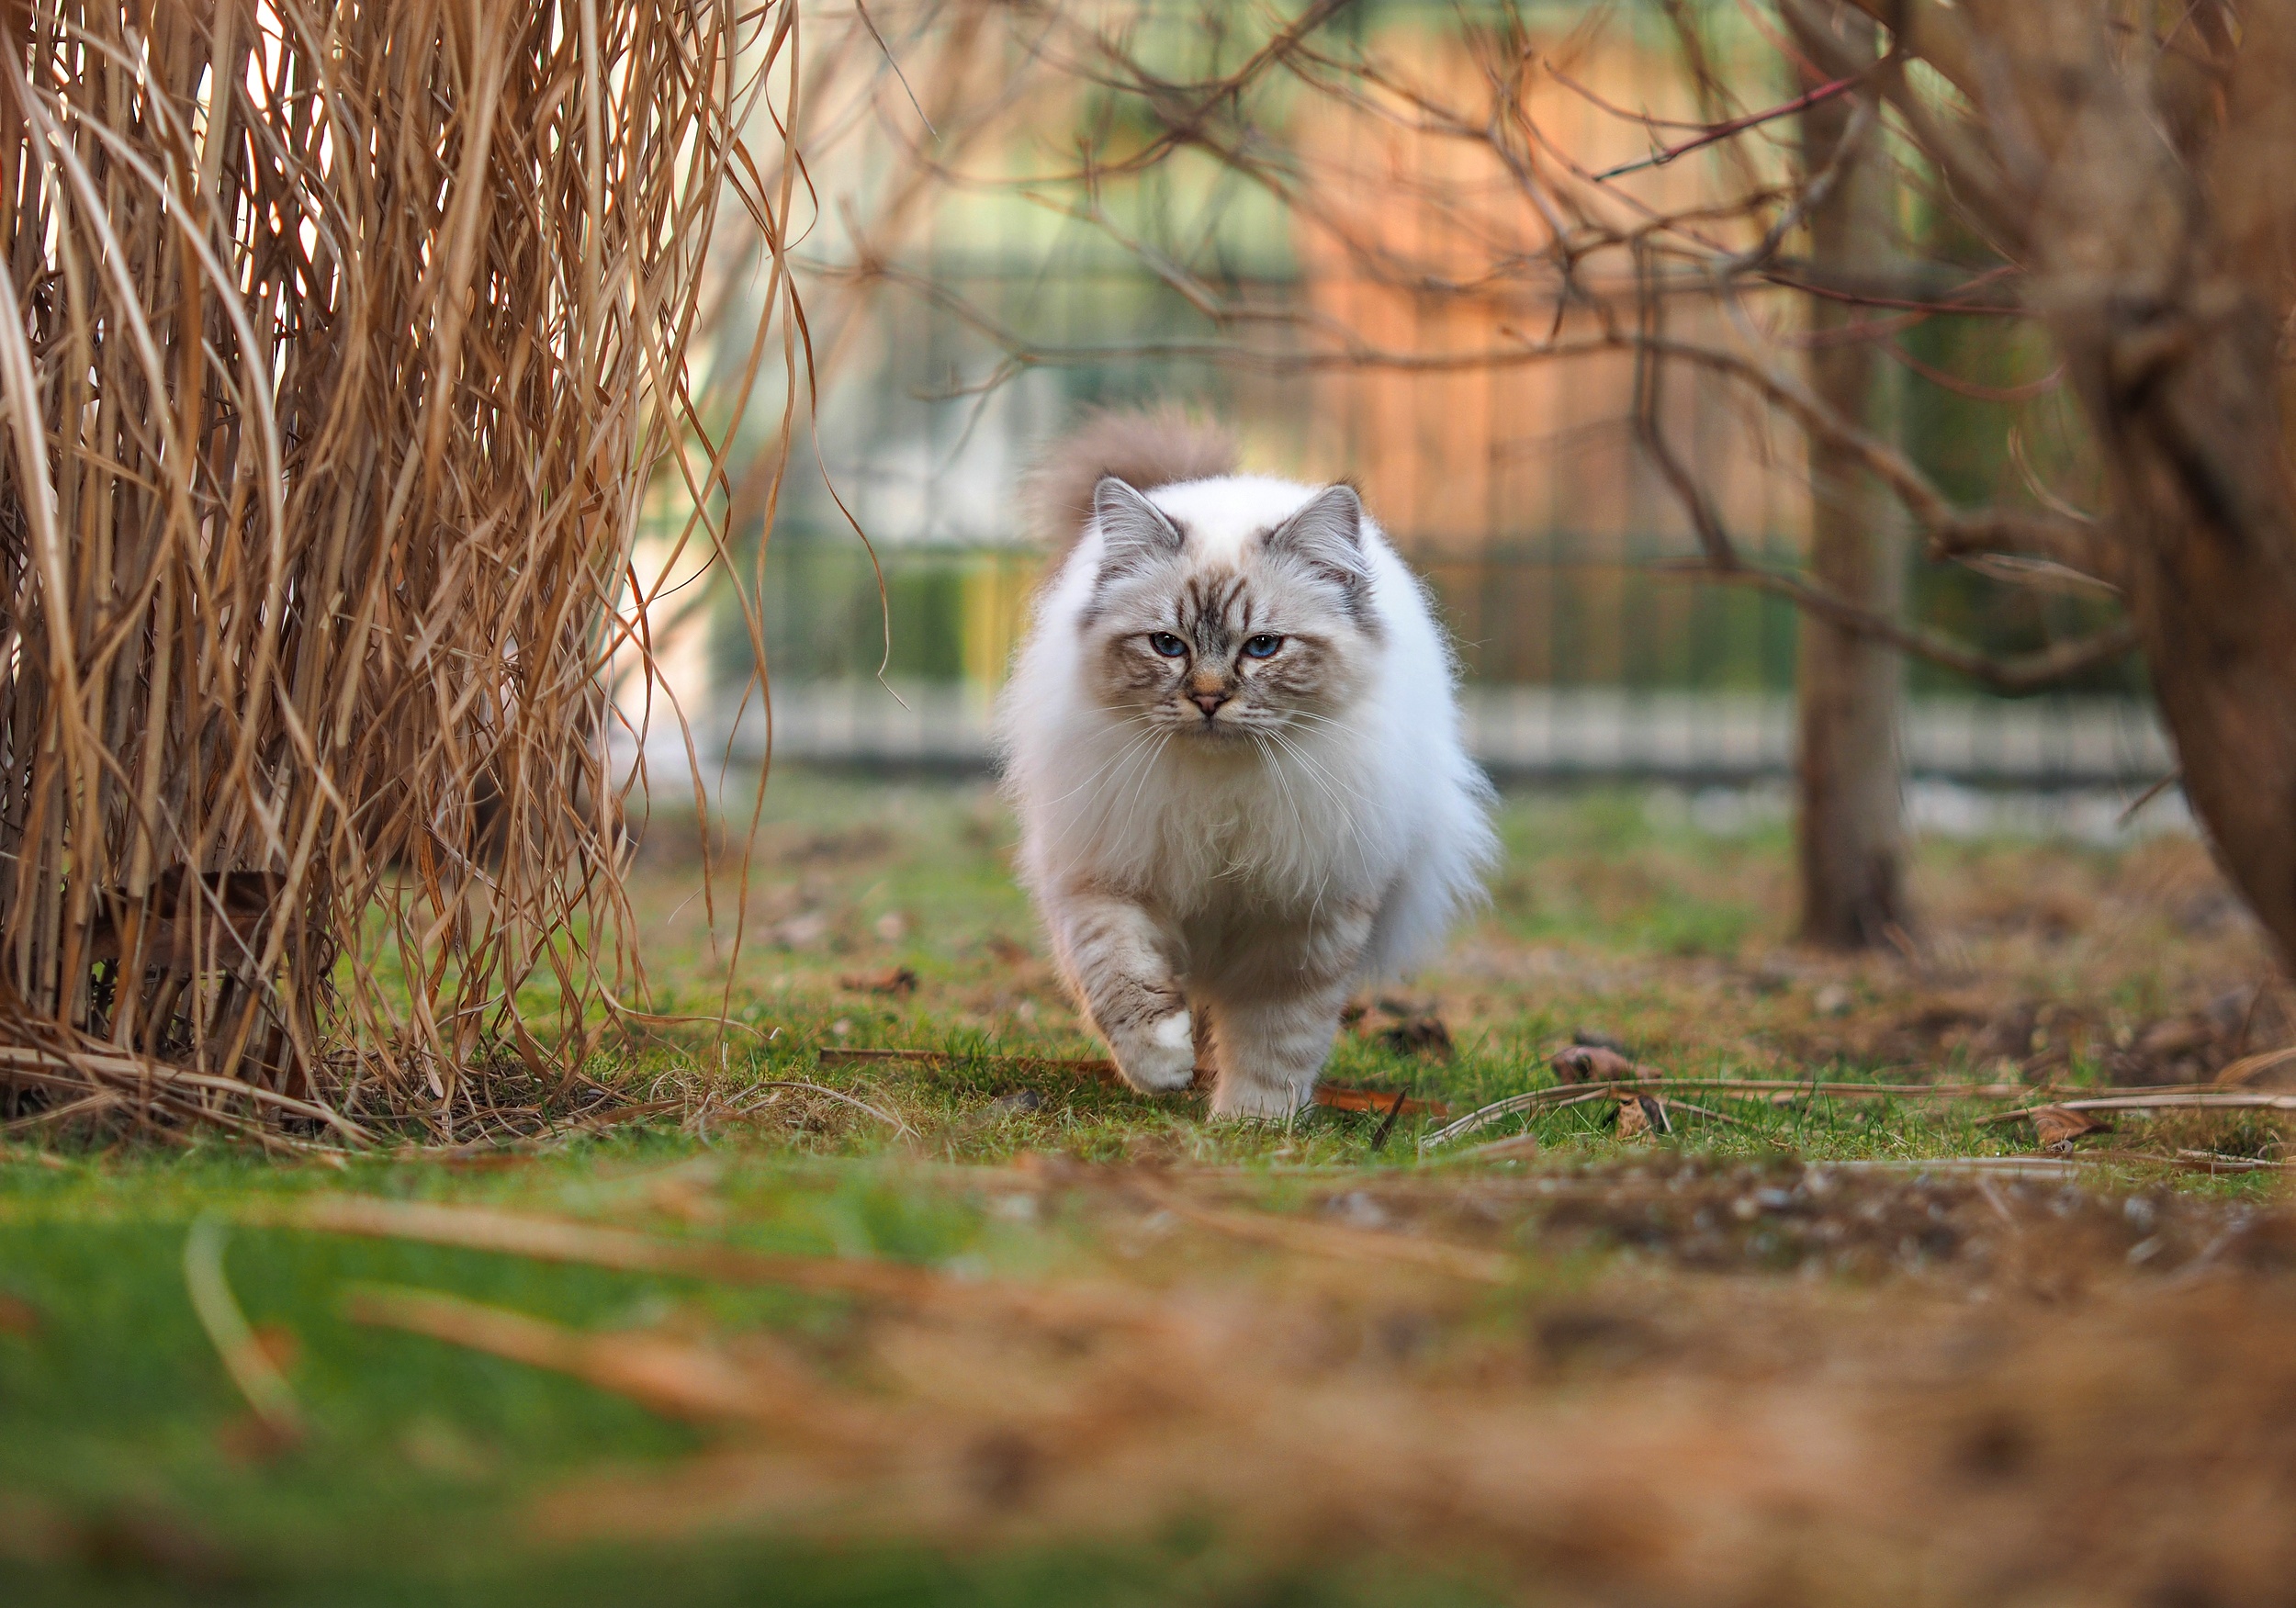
(1327, 536)
(1133, 531)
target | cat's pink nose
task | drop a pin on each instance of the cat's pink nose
(1209, 703)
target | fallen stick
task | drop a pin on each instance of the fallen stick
(1702, 1111)
(2014, 1167)
(2191, 1100)
(1557, 1096)
(2208, 1161)
(1338, 1096)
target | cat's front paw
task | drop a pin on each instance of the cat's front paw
(1161, 1057)
(1257, 1100)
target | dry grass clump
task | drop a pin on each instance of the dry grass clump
(347, 342)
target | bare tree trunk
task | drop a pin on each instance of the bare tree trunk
(2151, 200)
(2175, 322)
(1848, 816)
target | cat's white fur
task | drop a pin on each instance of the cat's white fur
(1237, 854)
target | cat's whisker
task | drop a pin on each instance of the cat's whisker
(1324, 778)
(1276, 767)
(1104, 766)
(1142, 756)
(1316, 774)
(1146, 770)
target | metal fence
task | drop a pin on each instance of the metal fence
(1536, 733)
(1573, 668)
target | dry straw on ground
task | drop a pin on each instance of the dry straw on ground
(347, 341)
(2001, 1390)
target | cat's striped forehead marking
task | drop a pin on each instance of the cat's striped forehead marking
(1208, 600)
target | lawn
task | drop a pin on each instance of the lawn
(980, 1329)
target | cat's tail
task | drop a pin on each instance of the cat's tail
(1144, 448)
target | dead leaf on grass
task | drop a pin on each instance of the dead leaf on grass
(2057, 1128)
(1345, 1097)
(1419, 1035)
(1640, 1116)
(1598, 1063)
(1412, 1028)
(897, 981)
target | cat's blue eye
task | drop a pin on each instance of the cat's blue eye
(1261, 647)
(1164, 643)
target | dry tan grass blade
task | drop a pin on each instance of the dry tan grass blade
(346, 342)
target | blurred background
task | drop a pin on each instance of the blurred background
(1008, 216)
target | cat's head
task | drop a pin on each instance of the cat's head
(1229, 608)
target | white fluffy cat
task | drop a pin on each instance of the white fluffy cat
(1233, 741)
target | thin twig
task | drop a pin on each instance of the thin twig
(1721, 131)
(1555, 1094)
(2148, 795)
(2194, 1100)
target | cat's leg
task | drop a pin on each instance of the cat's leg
(1117, 961)
(1279, 1012)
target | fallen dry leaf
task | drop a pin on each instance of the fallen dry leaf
(1345, 1097)
(1598, 1063)
(1419, 1035)
(1642, 1115)
(897, 981)
(2058, 1127)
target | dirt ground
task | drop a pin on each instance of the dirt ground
(1687, 1385)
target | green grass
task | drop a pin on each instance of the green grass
(116, 1414)
(127, 1473)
